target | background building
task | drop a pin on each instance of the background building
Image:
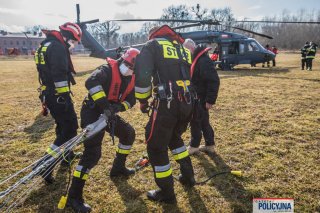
(19, 43)
(25, 43)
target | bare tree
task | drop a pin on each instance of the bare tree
(176, 12)
(104, 32)
(292, 36)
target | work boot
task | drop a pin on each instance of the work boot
(193, 150)
(190, 182)
(67, 160)
(119, 168)
(75, 196)
(159, 196)
(207, 149)
(78, 205)
(187, 175)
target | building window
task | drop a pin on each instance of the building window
(17, 42)
(24, 42)
(11, 42)
(5, 42)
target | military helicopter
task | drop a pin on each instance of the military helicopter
(232, 48)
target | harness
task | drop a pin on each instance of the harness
(114, 89)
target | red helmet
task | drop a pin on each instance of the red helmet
(72, 28)
(130, 56)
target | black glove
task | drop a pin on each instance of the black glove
(115, 108)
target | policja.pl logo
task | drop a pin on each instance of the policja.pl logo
(268, 205)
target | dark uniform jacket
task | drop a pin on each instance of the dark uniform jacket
(205, 78)
(98, 85)
(311, 52)
(303, 51)
(54, 64)
(161, 61)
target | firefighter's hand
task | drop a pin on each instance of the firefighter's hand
(144, 107)
(208, 106)
(115, 108)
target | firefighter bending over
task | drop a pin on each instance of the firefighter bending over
(111, 90)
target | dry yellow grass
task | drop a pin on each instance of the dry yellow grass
(266, 123)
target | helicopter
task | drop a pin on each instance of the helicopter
(232, 48)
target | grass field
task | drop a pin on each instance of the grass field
(266, 120)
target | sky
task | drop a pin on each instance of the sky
(16, 14)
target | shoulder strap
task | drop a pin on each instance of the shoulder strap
(196, 59)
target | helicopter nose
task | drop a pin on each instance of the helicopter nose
(269, 55)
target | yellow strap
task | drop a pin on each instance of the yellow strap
(143, 95)
(78, 175)
(165, 43)
(123, 151)
(183, 84)
(181, 155)
(62, 89)
(98, 95)
(125, 105)
(164, 174)
(52, 152)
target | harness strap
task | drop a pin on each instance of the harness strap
(154, 117)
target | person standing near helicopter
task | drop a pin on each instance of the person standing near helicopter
(206, 82)
(268, 62)
(310, 55)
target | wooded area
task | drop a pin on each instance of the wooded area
(285, 36)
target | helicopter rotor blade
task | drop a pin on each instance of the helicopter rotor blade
(209, 21)
(249, 31)
(160, 20)
(283, 22)
(186, 26)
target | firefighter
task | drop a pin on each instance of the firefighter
(310, 55)
(55, 71)
(111, 90)
(206, 82)
(303, 52)
(274, 49)
(267, 47)
(165, 64)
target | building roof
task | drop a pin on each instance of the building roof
(21, 35)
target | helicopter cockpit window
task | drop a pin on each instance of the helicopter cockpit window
(241, 48)
(253, 46)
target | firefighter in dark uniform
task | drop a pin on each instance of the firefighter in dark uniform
(303, 52)
(310, 55)
(164, 63)
(55, 70)
(206, 81)
(111, 89)
(267, 47)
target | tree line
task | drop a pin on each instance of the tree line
(285, 36)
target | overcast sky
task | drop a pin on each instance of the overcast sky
(16, 14)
